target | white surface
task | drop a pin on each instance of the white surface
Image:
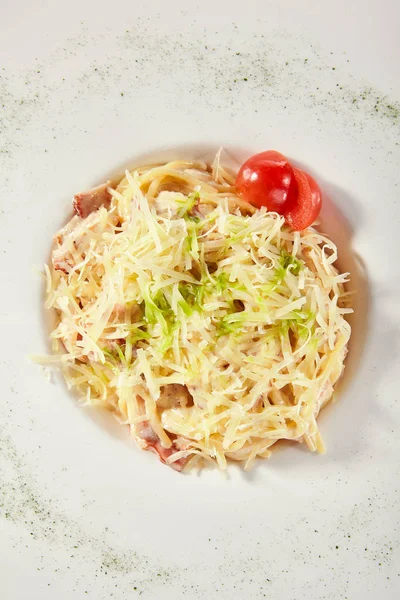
(86, 515)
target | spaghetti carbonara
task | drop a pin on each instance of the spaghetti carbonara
(210, 328)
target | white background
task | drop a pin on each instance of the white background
(85, 89)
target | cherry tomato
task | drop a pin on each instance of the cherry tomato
(308, 202)
(267, 179)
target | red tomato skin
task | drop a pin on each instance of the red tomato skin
(308, 203)
(267, 179)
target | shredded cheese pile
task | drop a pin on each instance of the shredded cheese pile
(209, 327)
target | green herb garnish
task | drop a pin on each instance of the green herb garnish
(186, 204)
(287, 261)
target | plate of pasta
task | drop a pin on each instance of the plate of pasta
(208, 325)
(200, 354)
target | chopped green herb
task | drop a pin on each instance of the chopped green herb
(158, 310)
(187, 204)
(287, 261)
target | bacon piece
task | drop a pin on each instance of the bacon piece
(64, 264)
(201, 210)
(147, 439)
(71, 234)
(87, 202)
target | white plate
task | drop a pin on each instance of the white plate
(88, 88)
